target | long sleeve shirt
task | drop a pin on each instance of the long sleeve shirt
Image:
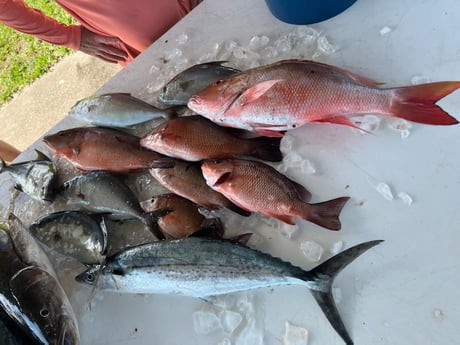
(137, 23)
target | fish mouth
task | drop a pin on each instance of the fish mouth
(68, 335)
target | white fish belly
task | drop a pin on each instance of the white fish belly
(194, 282)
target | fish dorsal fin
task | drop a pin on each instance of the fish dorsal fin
(41, 156)
(355, 77)
(255, 92)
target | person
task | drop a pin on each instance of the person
(7, 152)
(115, 31)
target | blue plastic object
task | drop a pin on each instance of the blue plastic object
(303, 12)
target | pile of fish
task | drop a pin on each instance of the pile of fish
(217, 157)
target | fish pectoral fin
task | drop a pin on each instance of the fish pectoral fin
(269, 133)
(256, 91)
(41, 156)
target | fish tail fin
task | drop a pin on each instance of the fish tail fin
(267, 149)
(320, 281)
(326, 214)
(417, 103)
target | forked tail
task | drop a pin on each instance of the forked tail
(418, 103)
(320, 279)
(326, 214)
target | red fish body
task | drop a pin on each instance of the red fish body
(186, 180)
(195, 138)
(291, 93)
(97, 148)
(258, 187)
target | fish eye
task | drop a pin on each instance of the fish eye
(217, 161)
(60, 133)
(44, 313)
(218, 82)
(90, 277)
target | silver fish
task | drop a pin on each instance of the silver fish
(201, 268)
(11, 333)
(37, 178)
(73, 233)
(116, 110)
(192, 80)
(30, 292)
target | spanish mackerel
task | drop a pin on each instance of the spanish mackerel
(202, 267)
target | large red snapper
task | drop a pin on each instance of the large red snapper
(99, 148)
(291, 93)
(194, 138)
(255, 186)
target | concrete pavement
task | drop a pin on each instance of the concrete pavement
(37, 108)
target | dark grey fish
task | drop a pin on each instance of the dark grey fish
(37, 178)
(217, 267)
(116, 110)
(102, 192)
(75, 234)
(192, 80)
(30, 294)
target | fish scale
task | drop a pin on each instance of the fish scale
(291, 93)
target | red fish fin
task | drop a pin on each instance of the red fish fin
(235, 208)
(256, 91)
(341, 120)
(417, 103)
(284, 218)
(269, 133)
(355, 77)
(163, 163)
(326, 214)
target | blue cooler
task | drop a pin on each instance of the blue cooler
(307, 11)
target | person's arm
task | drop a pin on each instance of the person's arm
(19, 16)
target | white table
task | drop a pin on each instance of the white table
(406, 291)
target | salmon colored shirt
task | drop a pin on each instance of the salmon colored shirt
(137, 23)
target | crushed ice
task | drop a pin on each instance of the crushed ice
(312, 250)
(384, 190)
(205, 322)
(294, 335)
(405, 198)
(385, 30)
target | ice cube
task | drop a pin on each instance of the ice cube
(154, 69)
(306, 35)
(205, 322)
(231, 45)
(182, 38)
(420, 79)
(269, 53)
(438, 314)
(239, 52)
(230, 320)
(313, 251)
(172, 54)
(225, 341)
(251, 335)
(307, 167)
(399, 124)
(255, 241)
(287, 143)
(368, 123)
(384, 190)
(224, 301)
(385, 30)
(337, 247)
(292, 159)
(258, 42)
(294, 335)
(283, 44)
(406, 198)
(325, 46)
(288, 231)
(404, 133)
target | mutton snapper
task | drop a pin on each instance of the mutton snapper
(116, 110)
(100, 148)
(37, 178)
(201, 268)
(290, 93)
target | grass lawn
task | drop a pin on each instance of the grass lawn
(23, 58)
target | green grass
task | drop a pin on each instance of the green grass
(24, 58)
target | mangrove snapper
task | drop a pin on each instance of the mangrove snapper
(194, 138)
